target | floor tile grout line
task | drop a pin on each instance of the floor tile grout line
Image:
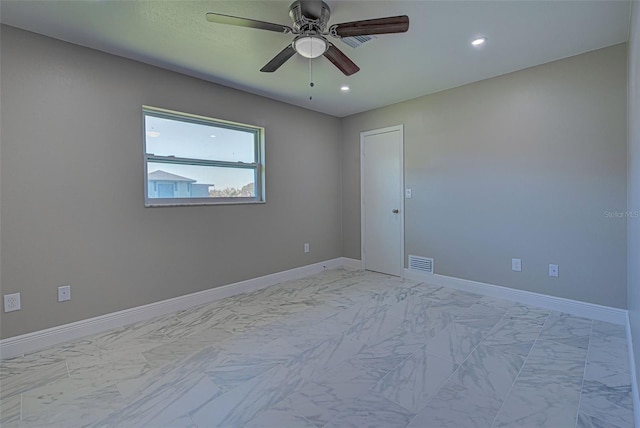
(481, 341)
(409, 356)
(308, 421)
(584, 372)
(191, 420)
(524, 363)
(470, 353)
(119, 391)
(390, 370)
(458, 366)
(610, 424)
(333, 337)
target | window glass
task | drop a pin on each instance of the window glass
(170, 137)
(195, 181)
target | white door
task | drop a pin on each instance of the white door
(382, 216)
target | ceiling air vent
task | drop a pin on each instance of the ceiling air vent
(421, 264)
(357, 41)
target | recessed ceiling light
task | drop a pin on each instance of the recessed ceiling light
(479, 41)
(345, 88)
(153, 134)
(212, 136)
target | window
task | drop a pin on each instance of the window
(195, 160)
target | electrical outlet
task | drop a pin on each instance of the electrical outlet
(516, 265)
(64, 293)
(407, 193)
(12, 302)
(306, 247)
(553, 270)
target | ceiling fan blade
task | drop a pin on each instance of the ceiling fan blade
(341, 61)
(392, 24)
(279, 59)
(248, 23)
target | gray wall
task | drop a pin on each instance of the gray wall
(72, 133)
(523, 165)
(633, 190)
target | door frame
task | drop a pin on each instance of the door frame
(363, 213)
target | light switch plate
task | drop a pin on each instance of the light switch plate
(516, 265)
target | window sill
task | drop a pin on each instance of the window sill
(199, 204)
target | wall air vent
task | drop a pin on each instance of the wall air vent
(421, 264)
(357, 41)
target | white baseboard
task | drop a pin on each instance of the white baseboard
(30, 342)
(573, 307)
(634, 379)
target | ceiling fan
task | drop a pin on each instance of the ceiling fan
(310, 19)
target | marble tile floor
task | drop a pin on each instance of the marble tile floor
(339, 349)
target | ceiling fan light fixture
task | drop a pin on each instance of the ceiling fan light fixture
(310, 46)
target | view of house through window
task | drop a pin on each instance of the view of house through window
(193, 160)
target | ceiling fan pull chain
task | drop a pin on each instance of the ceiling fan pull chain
(310, 79)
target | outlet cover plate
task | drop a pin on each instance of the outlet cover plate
(306, 247)
(12, 302)
(64, 293)
(553, 270)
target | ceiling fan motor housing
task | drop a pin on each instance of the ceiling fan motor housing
(309, 16)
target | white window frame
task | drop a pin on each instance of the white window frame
(257, 166)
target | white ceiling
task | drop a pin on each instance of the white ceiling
(435, 53)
